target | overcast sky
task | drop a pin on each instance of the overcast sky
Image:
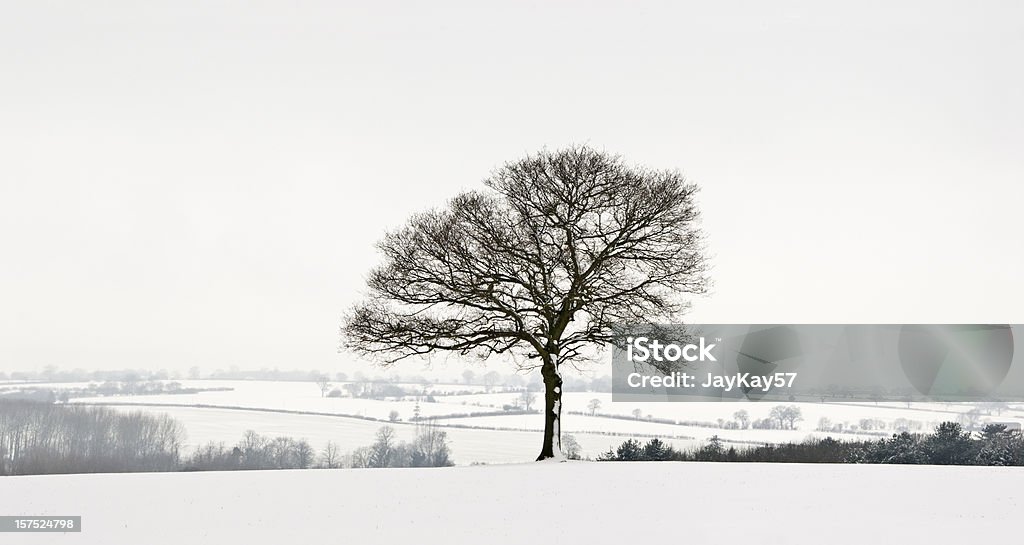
(202, 183)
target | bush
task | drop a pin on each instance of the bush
(948, 444)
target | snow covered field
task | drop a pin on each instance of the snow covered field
(467, 445)
(512, 438)
(581, 502)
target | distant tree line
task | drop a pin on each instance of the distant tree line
(254, 451)
(429, 448)
(948, 444)
(45, 438)
(51, 373)
(104, 389)
(41, 438)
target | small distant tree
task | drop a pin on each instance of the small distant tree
(526, 399)
(490, 379)
(949, 444)
(1000, 446)
(281, 453)
(786, 416)
(714, 450)
(382, 452)
(793, 414)
(655, 450)
(593, 406)
(570, 447)
(467, 376)
(393, 416)
(742, 418)
(430, 448)
(303, 454)
(362, 457)
(330, 456)
(629, 451)
(638, 414)
(323, 383)
(255, 450)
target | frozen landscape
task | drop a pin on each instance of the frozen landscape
(575, 502)
(299, 410)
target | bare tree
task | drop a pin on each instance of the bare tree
(559, 248)
(330, 457)
(793, 415)
(593, 406)
(570, 447)
(322, 382)
(787, 415)
(526, 399)
(490, 379)
(362, 457)
(467, 376)
(743, 418)
(382, 452)
(431, 445)
(303, 454)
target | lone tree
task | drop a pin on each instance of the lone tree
(559, 248)
(323, 383)
(526, 399)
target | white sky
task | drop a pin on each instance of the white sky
(202, 183)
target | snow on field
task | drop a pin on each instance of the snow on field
(293, 396)
(928, 414)
(467, 445)
(515, 436)
(305, 397)
(591, 503)
(578, 424)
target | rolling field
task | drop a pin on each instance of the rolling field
(297, 409)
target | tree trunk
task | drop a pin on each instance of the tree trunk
(552, 447)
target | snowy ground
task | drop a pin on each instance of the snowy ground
(589, 503)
